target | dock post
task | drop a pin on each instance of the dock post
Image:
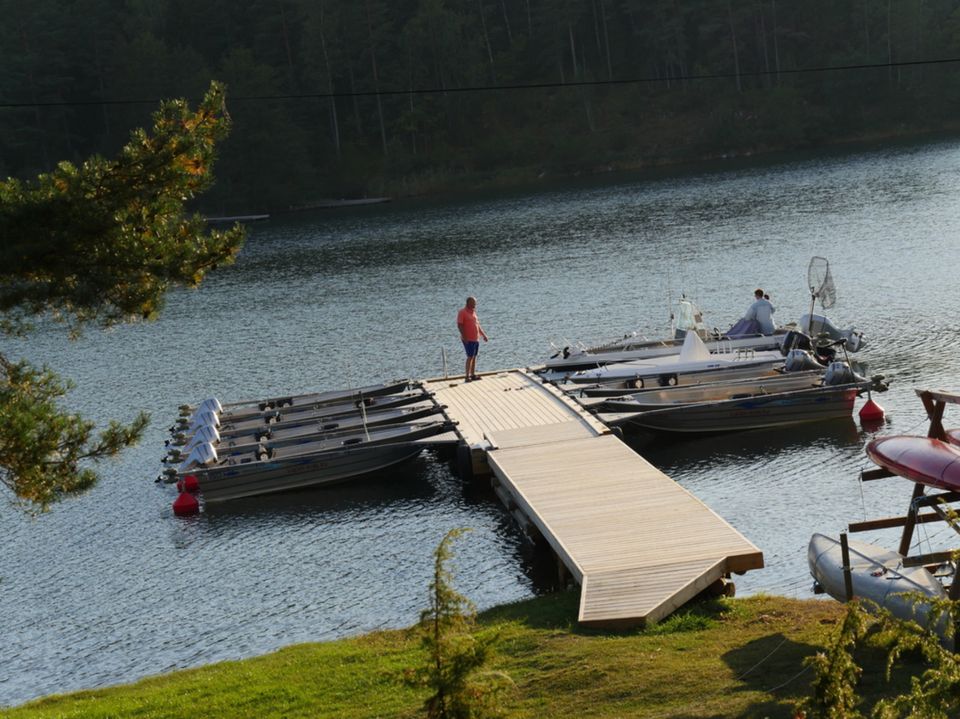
(443, 357)
(847, 577)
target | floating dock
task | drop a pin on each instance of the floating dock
(639, 545)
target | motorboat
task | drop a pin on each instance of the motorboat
(757, 411)
(634, 347)
(282, 435)
(694, 364)
(244, 409)
(267, 470)
(301, 414)
(661, 398)
(877, 575)
(688, 318)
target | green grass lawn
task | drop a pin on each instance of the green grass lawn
(722, 658)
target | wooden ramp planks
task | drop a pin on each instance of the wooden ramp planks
(639, 544)
(508, 400)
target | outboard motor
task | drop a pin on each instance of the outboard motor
(204, 433)
(211, 404)
(794, 340)
(799, 360)
(205, 418)
(817, 325)
(201, 455)
(840, 373)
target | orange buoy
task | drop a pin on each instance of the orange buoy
(190, 483)
(185, 505)
(871, 411)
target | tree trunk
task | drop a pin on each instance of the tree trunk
(413, 130)
(356, 101)
(45, 152)
(763, 40)
(486, 40)
(103, 91)
(376, 79)
(733, 40)
(286, 44)
(573, 53)
(776, 42)
(506, 21)
(889, 47)
(334, 124)
(606, 38)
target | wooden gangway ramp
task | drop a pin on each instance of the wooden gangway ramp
(639, 544)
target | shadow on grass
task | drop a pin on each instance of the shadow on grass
(559, 610)
(775, 665)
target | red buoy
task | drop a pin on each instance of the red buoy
(190, 483)
(185, 505)
(871, 411)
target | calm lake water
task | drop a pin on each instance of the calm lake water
(110, 587)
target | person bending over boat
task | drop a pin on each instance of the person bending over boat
(761, 311)
(470, 333)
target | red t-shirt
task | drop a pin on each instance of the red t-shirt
(469, 324)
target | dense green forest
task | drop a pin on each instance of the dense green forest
(347, 98)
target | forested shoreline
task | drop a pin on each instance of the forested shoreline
(353, 98)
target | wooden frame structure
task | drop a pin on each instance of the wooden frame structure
(935, 403)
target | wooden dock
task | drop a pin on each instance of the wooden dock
(638, 544)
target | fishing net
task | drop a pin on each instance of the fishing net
(821, 282)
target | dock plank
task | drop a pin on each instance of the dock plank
(639, 544)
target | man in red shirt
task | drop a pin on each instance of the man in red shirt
(470, 333)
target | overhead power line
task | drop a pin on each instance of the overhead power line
(498, 88)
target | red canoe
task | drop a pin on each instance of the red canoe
(921, 459)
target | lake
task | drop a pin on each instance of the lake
(110, 586)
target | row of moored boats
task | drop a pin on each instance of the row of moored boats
(264, 446)
(703, 381)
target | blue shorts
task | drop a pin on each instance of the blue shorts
(472, 348)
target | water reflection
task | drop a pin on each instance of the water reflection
(676, 454)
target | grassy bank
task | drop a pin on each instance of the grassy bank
(727, 658)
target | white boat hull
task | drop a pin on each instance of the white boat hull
(877, 575)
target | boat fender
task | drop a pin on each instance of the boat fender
(200, 456)
(635, 383)
(352, 440)
(871, 412)
(667, 380)
(331, 425)
(185, 505)
(190, 483)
